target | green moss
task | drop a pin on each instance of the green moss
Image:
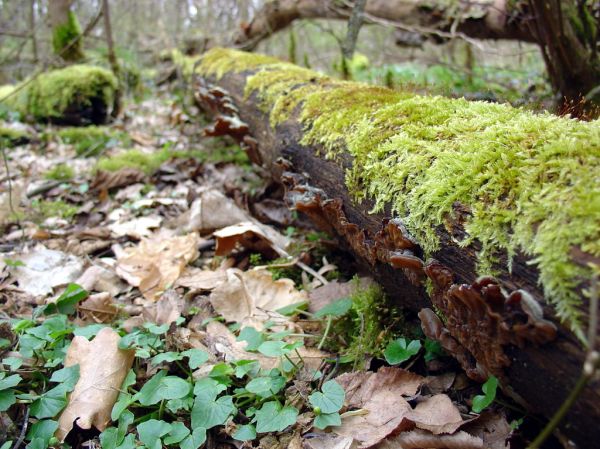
(62, 39)
(530, 181)
(146, 162)
(91, 140)
(11, 137)
(55, 208)
(69, 90)
(60, 172)
(185, 63)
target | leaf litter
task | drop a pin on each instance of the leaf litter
(182, 304)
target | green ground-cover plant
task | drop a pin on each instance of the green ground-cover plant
(90, 140)
(10, 137)
(43, 209)
(60, 172)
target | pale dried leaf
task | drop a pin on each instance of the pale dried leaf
(492, 427)
(441, 383)
(437, 414)
(252, 297)
(105, 180)
(156, 263)
(213, 210)
(380, 394)
(203, 280)
(45, 269)
(137, 227)
(100, 279)
(420, 439)
(247, 235)
(102, 367)
(334, 290)
(330, 441)
(98, 308)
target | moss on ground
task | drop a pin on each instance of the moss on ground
(145, 162)
(10, 137)
(53, 208)
(91, 140)
(71, 89)
(529, 180)
(60, 172)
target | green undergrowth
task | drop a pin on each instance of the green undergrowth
(10, 137)
(50, 95)
(60, 172)
(91, 140)
(43, 209)
(529, 180)
(146, 162)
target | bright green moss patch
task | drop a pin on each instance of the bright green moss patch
(66, 41)
(10, 137)
(53, 209)
(60, 172)
(146, 162)
(531, 181)
(92, 140)
(77, 94)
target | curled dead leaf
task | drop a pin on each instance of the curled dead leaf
(437, 414)
(102, 369)
(98, 308)
(419, 439)
(252, 236)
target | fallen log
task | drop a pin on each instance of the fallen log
(435, 195)
(75, 95)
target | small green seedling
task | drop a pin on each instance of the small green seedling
(399, 350)
(480, 402)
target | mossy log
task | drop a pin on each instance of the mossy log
(75, 95)
(435, 195)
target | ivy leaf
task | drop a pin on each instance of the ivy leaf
(7, 399)
(10, 381)
(489, 388)
(67, 302)
(89, 331)
(433, 349)
(178, 432)
(327, 419)
(195, 440)
(208, 389)
(245, 433)
(330, 399)
(50, 403)
(160, 387)
(243, 367)
(399, 350)
(274, 418)
(68, 377)
(166, 357)
(336, 309)
(221, 371)
(251, 336)
(151, 431)
(43, 429)
(208, 414)
(273, 348)
(196, 357)
(7, 445)
(265, 386)
(109, 439)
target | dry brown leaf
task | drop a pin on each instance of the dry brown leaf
(213, 210)
(419, 439)
(441, 383)
(156, 263)
(437, 414)
(100, 279)
(137, 227)
(105, 180)
(98, 308)
(202, 280)
(380, 394)
(492, 427)
(45, 269)
(247, 235)
(329, 441)
(334, 290)
(164, 311)
(252, 297)
(102, 369)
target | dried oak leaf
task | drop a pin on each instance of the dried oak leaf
(329, 441)
(201, 280)
(102, 369)
(106, 180)
(252, 297)
(98, 308)
(437, 414)
(156, 263)
(260, 238)
(380, 394)
(97, 278)
(419, 439)
(213, 210)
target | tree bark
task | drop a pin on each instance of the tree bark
(538, 366)
(565, 30)
(112, 57)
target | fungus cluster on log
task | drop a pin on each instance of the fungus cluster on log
(449, 191)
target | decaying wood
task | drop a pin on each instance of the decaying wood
(494, 326)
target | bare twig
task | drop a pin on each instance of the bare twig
(23, 430)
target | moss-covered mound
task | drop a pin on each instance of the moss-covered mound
(531, 181)
(10, 137)
(75, 95)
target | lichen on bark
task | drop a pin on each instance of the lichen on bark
(530, 181)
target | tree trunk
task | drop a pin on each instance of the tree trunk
(112, 57)
(501, 326)
(67, 39)
(565, 30)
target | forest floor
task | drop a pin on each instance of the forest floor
(162, 293)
